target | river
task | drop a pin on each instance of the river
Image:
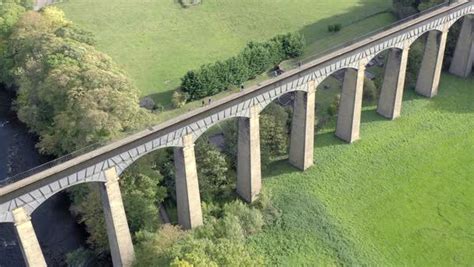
(57, 231)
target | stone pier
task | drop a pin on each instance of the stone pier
(187, 185)
(302, 128)
(118, 233)
(348, 118)
(248, 157)
(391, 96)
(432, 63)
(30, 247)
(463, 58)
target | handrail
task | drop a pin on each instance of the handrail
(374, 32)
(112, 144)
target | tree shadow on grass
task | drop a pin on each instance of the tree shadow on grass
(163, 99)
(317, 32)
(456, 95)
(277, 168)
(371, 116)
(328, 139)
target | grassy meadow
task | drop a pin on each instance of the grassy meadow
(401, 196)
(157, 41)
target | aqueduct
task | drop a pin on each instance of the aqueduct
(19, 200)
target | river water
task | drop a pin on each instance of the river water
(57, 231)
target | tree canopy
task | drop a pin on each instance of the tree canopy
(69, 93)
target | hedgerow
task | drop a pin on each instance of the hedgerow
(254, 59)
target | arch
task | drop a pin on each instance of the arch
(381, 51)
(268, 101)
(201, 133)
(325, 77)
(452, 22)
(411, 41)
(30, 201)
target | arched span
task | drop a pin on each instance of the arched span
(276, 94)
(323, 78)
(31, 200)
(413, 40)
(381, 51)
(452, 22)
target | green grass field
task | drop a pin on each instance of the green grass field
(156, 42)
(401, 196)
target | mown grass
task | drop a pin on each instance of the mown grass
(401, 196)
(157, 41)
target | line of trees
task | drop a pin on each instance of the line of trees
(253, 60)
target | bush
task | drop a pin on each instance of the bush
(334, 107)
(414, 64)
(148, 103)
(274, 133)
(179, 99)
(334, 27)
(221, 241)
(189, 3)
(370, 92)
(257, 58)
(82, 257)
(254, 59)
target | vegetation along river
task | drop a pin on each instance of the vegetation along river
(57, 230)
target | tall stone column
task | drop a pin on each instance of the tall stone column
(30, 247)
(118, 233)
(432, 63)
(391, 96)
(302, 128)
(249, 180)
(348, 118)
(463, 58)
(187, 185)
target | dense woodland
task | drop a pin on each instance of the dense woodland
(72, 95)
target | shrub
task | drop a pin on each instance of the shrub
(178, 99)
(250, 219)
(265, 205)
(334, 107)
(148, 103)
(414, 64)
(331, 28)
(254, 59)
(189, 3)
(370, 92)
(292, 44)
(81, 257)
(334, 27)
(257, 58)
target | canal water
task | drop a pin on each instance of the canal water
(57, 231)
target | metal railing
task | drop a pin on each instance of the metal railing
(372, 33)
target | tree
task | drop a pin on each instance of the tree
(212, 171)
(142, 195)
(70, 94)
(273, 133)
(10, 12)
(370, 92)
(414, 63)
(257, 58)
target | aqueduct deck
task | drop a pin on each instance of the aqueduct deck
(104, 165)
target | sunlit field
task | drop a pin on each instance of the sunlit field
(401, 196)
